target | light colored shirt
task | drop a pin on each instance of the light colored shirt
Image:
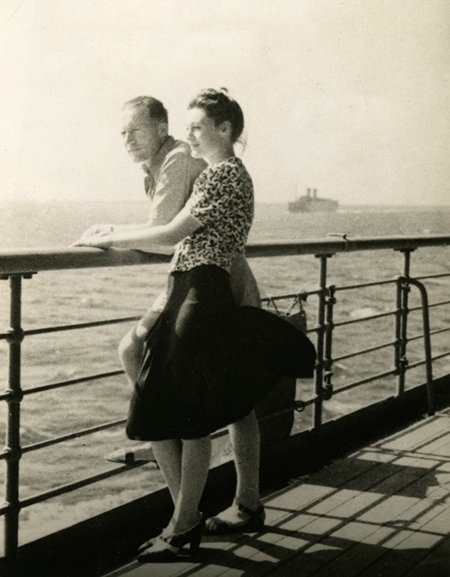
(171, 174)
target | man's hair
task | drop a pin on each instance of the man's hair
(153, 107)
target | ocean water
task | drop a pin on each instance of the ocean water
(58, 298)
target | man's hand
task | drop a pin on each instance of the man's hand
(102, 240)
(98, 229)
(96, 236)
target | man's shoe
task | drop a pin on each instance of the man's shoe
(132, 455)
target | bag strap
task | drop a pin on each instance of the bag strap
(299, 298)
(271, 302)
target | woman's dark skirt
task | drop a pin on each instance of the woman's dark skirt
(207, 362)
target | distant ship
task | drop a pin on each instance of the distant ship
(310, 202)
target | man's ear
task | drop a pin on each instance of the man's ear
(163, 129)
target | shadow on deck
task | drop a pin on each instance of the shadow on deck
(383, 511)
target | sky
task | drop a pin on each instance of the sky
(349, 97)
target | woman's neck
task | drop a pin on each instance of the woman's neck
(218, 156)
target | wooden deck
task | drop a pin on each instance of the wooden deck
(382, 512)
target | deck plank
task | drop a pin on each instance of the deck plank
(382, 511)
(434, 564)
(417, 435)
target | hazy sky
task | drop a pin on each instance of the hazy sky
(347, 96)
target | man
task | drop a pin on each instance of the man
(170, 174)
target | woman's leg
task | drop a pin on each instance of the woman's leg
(245, 441)
(185, 466)
(246, 512)
(195, 462)
(168, 455)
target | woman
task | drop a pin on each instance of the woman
(207, 362)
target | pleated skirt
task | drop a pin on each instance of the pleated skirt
(208, 362)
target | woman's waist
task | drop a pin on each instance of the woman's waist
(188, 261)
(201, 284)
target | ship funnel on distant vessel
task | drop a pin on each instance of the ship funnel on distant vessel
(313, 203)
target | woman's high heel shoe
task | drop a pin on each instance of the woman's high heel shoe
(167, 547)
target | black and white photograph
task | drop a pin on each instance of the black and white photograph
(225, 288)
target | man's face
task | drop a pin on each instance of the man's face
(141, 135)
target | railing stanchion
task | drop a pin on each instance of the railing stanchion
(427, 345)
(328, 360)
(403, 287)
(398, 329)
(12, 447)
(321, 328)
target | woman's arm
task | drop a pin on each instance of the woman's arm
(183, 225)
(108, 228)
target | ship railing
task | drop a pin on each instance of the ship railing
(16, 265)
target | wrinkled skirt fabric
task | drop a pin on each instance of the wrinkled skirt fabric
(207, 362)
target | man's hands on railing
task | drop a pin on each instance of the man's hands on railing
(98, 229)
(98, 236)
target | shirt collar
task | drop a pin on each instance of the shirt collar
(153, 166)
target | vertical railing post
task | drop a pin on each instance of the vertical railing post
(402, 322)
(12, 447)
(328, 356)
(321, 329)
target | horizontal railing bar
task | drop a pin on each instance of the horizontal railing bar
(68, 487)
(432, 333)
(439, 331)
(430, 306)
(88, 325)
(438, 304)
(423, 361)
(70, 436)
(364, 285)
(61, 384)
(431, 276)
(70, 382)
(60, 328)
(289, 296)
(365, 351)
(416, 338)
(441, 356)
(416, 364)
(362, 319)
(26, 261)
(364, 381)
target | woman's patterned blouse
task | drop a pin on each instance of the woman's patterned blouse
(222, 200)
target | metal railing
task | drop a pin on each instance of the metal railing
(16, 265)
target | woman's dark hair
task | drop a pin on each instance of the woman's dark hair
(220, 107)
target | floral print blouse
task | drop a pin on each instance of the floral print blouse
(223, 202)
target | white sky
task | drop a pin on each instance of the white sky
(347, 96)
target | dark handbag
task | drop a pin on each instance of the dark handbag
(283, 394)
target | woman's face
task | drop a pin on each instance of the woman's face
(205, 139)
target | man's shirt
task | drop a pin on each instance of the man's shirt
(171, 174)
